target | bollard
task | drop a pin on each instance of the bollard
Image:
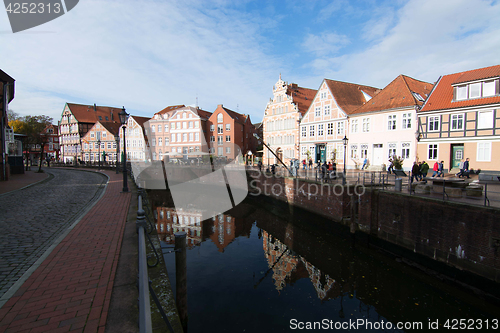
(398, 185)
(181, 277)
(144, 305)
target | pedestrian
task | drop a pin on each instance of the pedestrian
(48, 161)
(304, 164)
(415, 171)
(259, 164)
(465, 170)
(310, 163)
(435, 168)
(424, 168)
(440, 169)
(273, 169)
(365, 162)
(391, 166)
(324, 168)
(461, 168)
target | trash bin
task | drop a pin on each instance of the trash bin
(398, 184)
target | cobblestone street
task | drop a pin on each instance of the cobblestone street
(33, 217)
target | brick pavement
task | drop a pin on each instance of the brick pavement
(71, 289)
(33, 218)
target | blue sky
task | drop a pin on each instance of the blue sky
(150, 54)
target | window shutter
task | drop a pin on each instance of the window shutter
(454, 93)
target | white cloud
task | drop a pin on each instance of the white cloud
(324, 44)
(430, 38)
(143, 55)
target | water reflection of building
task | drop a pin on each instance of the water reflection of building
(223, 231)
(170, 221)
(289, 268)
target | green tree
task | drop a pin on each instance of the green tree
(34, 128)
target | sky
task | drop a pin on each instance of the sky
(147, 55)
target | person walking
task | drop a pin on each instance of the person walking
(391, 166)
(324, 168)
(435, 168)
(424, 169)
(440, 169)
(304, 164)
(465, 170)
(461, 168)
(415, 171)
(259, 164)
(310, 163)
(365, 162)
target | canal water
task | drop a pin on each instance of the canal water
(267, 267)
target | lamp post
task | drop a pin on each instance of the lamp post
(123, 120)
(344, 141)
(99, 148)
(117, 140)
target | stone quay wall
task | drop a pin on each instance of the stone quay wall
(463, 236)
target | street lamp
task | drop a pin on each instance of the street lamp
(99, 148)
(117, 140)
(344, 141)
(123, 120)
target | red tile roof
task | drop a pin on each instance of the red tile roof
(349, 96)
(86, 113)
(112, 127)
(441, 97)
(302, 97)
(203, 114)
(397, 94)
(478, 74)
(140, 120)
(238, 117)
(170, 108)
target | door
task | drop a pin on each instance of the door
(320, 153)
(457, 155)
(378, 154)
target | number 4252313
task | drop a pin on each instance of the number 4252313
(33, 8)
(474, 324)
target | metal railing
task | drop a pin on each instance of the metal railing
(144, 284)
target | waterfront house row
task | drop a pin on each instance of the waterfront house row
(459, 118)
(173, 132)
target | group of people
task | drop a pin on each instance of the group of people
(464, 169)
(304, 164)
(330, 168)
(419, 170)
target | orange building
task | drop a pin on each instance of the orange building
(100, 144)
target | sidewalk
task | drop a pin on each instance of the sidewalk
(71, 289)
(16, 182)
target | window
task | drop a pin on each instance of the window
(457, 121)
(327, 110)
(329, 129)
(475, 90)
(173, 138)
(433, 123)
(153, 128)
(406, 120)
(196, 136)
(212, 138)
(212, 128)
(323, 95)
(488, 88)
(354, 151)
(220, 129)
(153, 142)
(485, 119)
(405, 150)
(304, 131)
(317, 111)
(433, 152)
(184, 124)
(220, 118)
(228, 150)
(190, 136)
(179, 137)
(196, 124)
(320, 129)
(178, 126)
(166, 128)
(392, 149)
(364, 150)
(354, 126)
(311, 130)
(184, 137)
(228, 138)
(366, 124)
(340, 128)
(109, 145)
(160, 143)
(190, 123)
(228, 127)
(220, 151)
(461, 93)
(483, 151)
(391, 122)
(220, 140)
(159, 128)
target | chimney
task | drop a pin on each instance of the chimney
(95, 108)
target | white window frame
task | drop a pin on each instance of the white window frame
(317, 111)
(483, 153)
(406, 120)
(485, 119)
(391, 122)
(462, 92)
(434, 147)
(366, 125)
(455, 122)
(354, 126)
(433, 120)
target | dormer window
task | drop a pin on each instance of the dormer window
(476, 90)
